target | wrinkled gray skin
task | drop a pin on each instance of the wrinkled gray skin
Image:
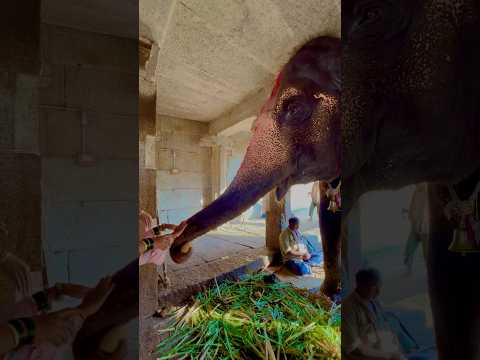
(410, 114)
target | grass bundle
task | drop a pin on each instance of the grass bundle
(253, 319)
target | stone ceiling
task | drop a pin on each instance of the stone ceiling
(210, 54)
(213, 54)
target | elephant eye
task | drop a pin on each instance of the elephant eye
(296, 108)
(371, 16)
(376, 20)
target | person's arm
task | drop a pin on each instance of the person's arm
(162, 242)
(297, 252)
(164, 227)
(49, 328)
(7, 339)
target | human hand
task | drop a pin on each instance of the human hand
(146, 218)
(95, 298)
(307, 256)
(18, 271)
(163, 242)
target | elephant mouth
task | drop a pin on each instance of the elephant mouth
(284, 185)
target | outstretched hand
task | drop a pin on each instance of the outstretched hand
(164, 242)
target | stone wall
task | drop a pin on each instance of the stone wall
(89, 212)
(181, 195)
(20, 170)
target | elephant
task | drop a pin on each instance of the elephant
(410, 107)
(291, 143)
(394, 103)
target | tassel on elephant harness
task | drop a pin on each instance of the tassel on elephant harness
(466, 237)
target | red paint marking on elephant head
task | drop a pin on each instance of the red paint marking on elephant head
(274, 92)
(278, 80)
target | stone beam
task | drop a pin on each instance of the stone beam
(247, 109)
(242, 126)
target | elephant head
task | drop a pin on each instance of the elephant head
(410, 108)
(295, 139)
(409, 104)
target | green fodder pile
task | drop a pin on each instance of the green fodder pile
(254, 319)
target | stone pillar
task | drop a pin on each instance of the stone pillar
(20, 162)
(221, 148)
(147, 201)
(274, 220)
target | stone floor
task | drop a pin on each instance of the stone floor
(232, 238)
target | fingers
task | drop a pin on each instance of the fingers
(164, 242)
(180, 228)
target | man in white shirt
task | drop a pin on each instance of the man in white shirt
(294, 251)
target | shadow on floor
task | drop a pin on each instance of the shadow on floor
(307, 282)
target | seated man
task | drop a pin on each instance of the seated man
(294, 252)
(366, 333)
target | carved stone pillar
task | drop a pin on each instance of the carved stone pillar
(221, 148)
(274, 220)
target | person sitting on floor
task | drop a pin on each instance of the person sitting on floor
(366, 333)
(294, 253)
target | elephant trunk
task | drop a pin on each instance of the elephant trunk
(258, 174)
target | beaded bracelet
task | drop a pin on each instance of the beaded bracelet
(148, 243)
(23, 329)
(41, 300)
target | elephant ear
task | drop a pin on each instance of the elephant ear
(376, 21)
(320, 59)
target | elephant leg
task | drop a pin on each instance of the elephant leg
(454, 286)
(330, 229)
